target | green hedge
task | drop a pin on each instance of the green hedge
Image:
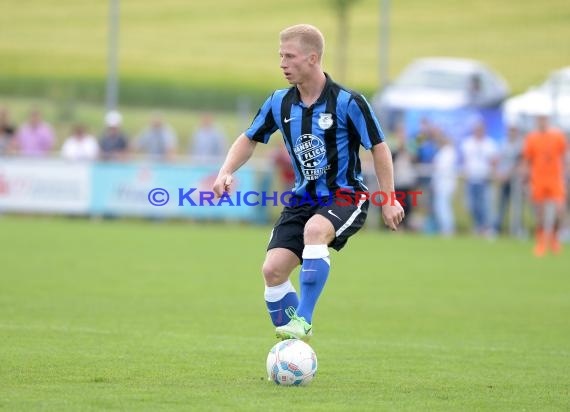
(132, 92)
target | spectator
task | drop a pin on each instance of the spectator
(35, 138)
(114, 142)
(208, 141)
(80, 145)
(475, 91)
(507, 173)
(158, 140)
(426, 149)
(480, 158)
(7, 131)
(444, 182)
(404, 172)
(282, 160)
(544, 152)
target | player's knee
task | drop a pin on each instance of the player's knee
(316, 234)
(273, 274)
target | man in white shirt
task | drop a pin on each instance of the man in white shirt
(158, 141)
(510, 183)
(443, 181)
(479, 161)
(80, 145)
(208, 142)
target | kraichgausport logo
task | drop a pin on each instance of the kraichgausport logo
(194, 198)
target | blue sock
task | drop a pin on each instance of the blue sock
(314, 274)
(278, 298)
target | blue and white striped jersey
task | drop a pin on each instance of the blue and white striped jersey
(323, 140)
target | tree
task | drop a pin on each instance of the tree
(342, 8)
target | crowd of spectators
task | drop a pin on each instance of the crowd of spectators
(156, 142)
(494, 173)
(491, 170)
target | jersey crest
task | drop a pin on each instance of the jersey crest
(325, 120)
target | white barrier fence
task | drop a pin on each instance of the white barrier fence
(119, 189)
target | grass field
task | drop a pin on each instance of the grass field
(173, 48)
(129, 315)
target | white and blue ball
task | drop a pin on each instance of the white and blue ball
(291, 362)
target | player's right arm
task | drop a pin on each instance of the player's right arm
(237, 156)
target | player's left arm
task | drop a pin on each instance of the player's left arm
(366, 126)
(392, 211)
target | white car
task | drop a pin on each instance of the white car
(439, 83)
(552, 98)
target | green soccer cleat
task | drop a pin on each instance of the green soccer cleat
(297, 328)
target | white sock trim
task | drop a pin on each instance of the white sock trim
(276, 293)
(315, 251)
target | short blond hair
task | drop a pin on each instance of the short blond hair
(311, 38)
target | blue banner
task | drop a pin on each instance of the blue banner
(456, 124)
(154, 190)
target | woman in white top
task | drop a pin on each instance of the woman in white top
(444, 182)
(80, 145)
(479, 161)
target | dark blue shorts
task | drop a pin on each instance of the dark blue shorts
(346, 219)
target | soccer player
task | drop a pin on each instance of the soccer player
(323, 125)
(544, 153)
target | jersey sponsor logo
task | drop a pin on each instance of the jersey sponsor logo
(311, 152)
(325, 120)
(288, 120)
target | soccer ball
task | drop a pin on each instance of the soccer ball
(291, 362)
